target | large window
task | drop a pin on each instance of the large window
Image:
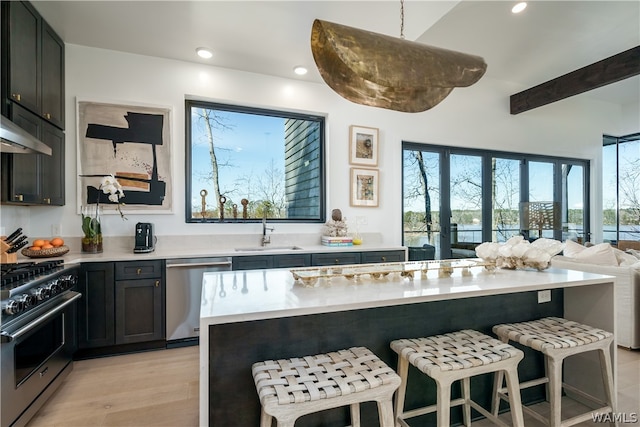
(455, 199)
(245, 164)
(621, 187)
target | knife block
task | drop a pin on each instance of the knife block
(6, 258)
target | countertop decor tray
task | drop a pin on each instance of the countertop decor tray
(309, 276)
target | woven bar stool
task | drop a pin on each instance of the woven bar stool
(452, 357)
(290, 388)
(557, 339)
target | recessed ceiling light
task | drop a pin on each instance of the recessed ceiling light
(519, 7)
(300, 70)
(204, 52)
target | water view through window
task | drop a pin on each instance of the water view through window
(621, 187)
(455, 199)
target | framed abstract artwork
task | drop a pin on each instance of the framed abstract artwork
(131, 142)
(363, 146)
(365, 187)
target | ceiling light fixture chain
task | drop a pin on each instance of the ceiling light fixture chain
(402, 19)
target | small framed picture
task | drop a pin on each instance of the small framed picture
(365, 185)
(363, 146)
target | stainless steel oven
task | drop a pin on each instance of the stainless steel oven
(37, 341)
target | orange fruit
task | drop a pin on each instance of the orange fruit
(46, 242)
(38, 242)
(35, 248)
(56, 242)
(47, 246)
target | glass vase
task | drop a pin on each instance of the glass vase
(91, 229)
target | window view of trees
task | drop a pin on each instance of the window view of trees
(621, 187)
(421, 197)
(482, 193)
(505, 198)
(245, 164)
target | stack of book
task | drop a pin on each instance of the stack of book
(337, 241)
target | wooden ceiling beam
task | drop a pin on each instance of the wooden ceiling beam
(613, 69)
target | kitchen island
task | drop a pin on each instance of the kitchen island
(248, 316)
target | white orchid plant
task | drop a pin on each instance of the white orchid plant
(112, 187)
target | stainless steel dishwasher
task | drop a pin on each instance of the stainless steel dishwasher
(184, 290)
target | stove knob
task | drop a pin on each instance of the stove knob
(42, 293)
(53, 287)
(12, 307)
(66, 282)
(26, 300)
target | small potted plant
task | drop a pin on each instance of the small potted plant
(91, 228)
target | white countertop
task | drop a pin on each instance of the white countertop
(169, 247)
(264, 294)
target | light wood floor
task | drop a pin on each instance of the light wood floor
(160, 388)
(155, 388)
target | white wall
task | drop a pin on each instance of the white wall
(472, 117)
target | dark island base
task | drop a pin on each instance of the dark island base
(234, 347)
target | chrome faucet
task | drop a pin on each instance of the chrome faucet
(265, 239)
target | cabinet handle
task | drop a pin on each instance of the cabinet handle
(18, 197)
(337, 261)
(157, 283)
(384, 259)
(47, 201)
(138, 271)
(16, 96)
(47, 116)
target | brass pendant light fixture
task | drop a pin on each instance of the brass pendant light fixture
(388, 72)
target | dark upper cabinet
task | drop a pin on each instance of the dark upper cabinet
(52, 167)
(20, 177)
(32, 179)
(32, 86)
(52, 77)
(33, 63)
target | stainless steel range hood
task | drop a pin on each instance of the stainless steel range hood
(17, 140)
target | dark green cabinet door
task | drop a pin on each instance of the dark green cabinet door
(52, 167)
(97, 305)
(22, 34)
(382, 256)
(35, 178)
(52, 77)
(338, 258)
(257, 262)
(291, 260)
(139, 311)
(22, 183)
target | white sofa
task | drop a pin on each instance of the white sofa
(627, 291)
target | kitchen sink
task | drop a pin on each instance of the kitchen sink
(269, 248)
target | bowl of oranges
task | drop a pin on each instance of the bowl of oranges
(43, 248)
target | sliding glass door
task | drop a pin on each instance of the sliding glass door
(455, 199)
(464, 201)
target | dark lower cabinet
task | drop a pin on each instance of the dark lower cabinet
(337, 258)
(96, 311)
(120, 306)
(139, 311)
(257, 262)
(382, 256)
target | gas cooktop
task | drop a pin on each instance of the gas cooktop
(17, 275)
